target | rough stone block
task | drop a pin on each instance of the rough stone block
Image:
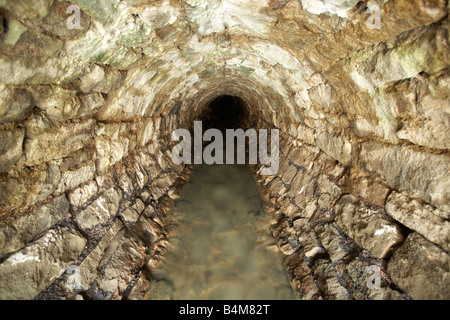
(102, 10)
(120, 269)
(335, 145)
(357, 270)
(28, 188)
(44, 143)
(371, 191)
(29, 10)
(333, 242)
(55, 23)
(89, 268)
(301, 276)
(57, 103)
(327, 280)
(72, 179)
(38, 44)
(302, 189)
(15, 104)
(419, 174)
(93, 77)
(131, 214)
(16, 234)
(11, 146)
(101, 210)
(111, 144)
(81, 195)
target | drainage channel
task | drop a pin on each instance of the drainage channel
(220, 247)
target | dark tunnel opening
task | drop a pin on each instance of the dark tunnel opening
(225, 112)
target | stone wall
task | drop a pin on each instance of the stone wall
(95, 231)
(86, 116)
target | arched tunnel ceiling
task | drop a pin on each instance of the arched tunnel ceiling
(286, 45)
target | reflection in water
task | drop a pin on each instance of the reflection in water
(221, 247)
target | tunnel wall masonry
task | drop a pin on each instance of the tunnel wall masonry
(326, 213)
(113, 220)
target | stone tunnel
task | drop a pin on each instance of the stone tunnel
(91, 91)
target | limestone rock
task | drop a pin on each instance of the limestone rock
(11, 147)
(37, 44)
(372, 191)
(58, 104)
(32, 11)
(15, 104)
(357, 270)
(13, 32)
(89, 268)
(335, 145)
(161, 184)
(28, 188)
(147, 230)
(56, 22)
(61, 104)
(420, 268)
(87, 113)
(74, 178)
(82, 194)
(132, 213)
(328, 282)
(15, 235)
(367, 227)
(101, 210)
(332, 241)
(302, 188)
(92, 78)
(47, 142)
(417, 173)
(111, 144)
(117, 274)
(298, 270)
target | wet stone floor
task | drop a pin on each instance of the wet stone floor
(220, 244)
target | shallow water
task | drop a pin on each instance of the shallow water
(220, 246)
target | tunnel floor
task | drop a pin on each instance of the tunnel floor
(220, 244)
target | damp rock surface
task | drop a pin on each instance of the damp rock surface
(221, 244)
